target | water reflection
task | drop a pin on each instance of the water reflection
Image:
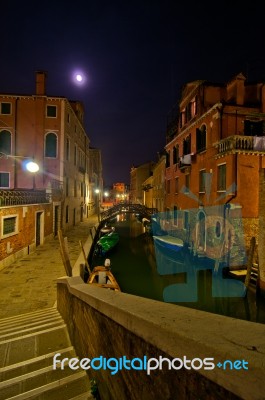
(135, 263)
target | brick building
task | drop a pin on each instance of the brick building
(49, 130)
(215, 148)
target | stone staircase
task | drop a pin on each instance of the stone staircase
(28, 343)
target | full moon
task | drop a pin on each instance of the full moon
(79, 78)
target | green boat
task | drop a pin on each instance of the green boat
(107, 242)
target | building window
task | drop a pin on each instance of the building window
(202, 181)
(51, 145)
(167, 159)
(75, 155)
(51, 111)
(67, 149)
(218, 229)
(187, 183)
(67, 187)
(194, 106)
(4, 179)
(9, 225)
(75, 188)
(201, 139)
(182, 119)
(177, 184)
(5, 142)
(254, 128)
(168, 186)
(66, 214)
(175, 215)
(187, 145)
(176, 154)
(221, 177)
(186, 220)
(5, 108)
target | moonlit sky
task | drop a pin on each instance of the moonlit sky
(134, 57)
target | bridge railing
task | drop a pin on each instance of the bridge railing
(127, 207)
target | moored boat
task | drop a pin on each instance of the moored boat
(107, 242)
(168, 242)
(102, 276)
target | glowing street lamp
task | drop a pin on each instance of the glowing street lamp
(31, 166)
(97, 191)
(27, 163)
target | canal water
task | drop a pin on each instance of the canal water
(135, 264)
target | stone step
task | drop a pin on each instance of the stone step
(64, 387)
(15, 326)
(28, 344)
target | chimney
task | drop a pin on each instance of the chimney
(40, 83)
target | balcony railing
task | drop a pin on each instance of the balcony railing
(242, 143)
(18, 197)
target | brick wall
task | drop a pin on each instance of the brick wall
(24, 240)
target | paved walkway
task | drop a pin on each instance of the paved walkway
(29, 283)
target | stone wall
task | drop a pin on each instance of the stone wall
(114, 324)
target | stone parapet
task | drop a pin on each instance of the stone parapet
(115, 324)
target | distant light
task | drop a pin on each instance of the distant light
(97, 190)
(31, 166)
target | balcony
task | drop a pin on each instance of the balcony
(18, 197)
(185, 162)
(240, 143)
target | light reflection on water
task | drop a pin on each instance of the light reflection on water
(134, 264)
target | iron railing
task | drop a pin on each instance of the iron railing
(18, 197)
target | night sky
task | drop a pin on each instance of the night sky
(135, 55)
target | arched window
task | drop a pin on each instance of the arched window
(5, 142)
(51, 145)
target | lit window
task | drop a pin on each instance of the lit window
(51, 145)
